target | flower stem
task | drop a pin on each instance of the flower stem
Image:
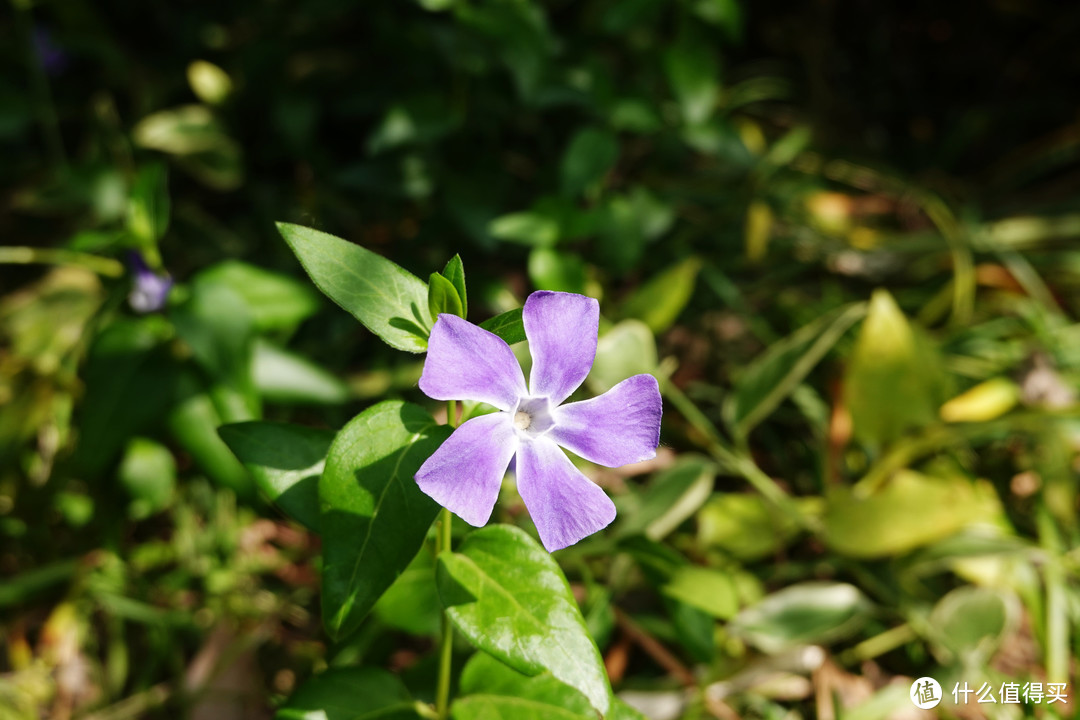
(444, 543)
(61, 256)
(735, 461)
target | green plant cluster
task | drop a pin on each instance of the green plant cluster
(862, 314)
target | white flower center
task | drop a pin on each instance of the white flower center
(532, 416)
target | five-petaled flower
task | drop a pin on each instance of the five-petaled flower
(466, 362)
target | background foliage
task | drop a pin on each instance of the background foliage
(841, 234)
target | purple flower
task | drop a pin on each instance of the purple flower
(465, 362)
(149, 291)
(53, 59)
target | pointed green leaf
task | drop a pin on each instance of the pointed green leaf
(286, 462)
(148, 209)
(894, 380)
(658, 302)
(390, 301)
(508, 596)
(455, 273)
(443, 297)
(508, 326)
(374, 517)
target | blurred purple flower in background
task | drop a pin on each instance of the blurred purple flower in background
(465, 362)
(149, 290)
(53, 59)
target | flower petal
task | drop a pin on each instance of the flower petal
(621, 426)
(465, 473)
(565, 505)
(561, 328)
(466, 362)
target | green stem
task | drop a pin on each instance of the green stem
(1056, 644)
(732, 460)
(444, 543)
(880, 644)
(59, 256)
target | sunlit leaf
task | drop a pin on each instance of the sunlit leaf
(374, 517)
(508, 596)
(911, 510)
(801, 614)
(388, 300)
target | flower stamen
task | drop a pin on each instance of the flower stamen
(522, 420)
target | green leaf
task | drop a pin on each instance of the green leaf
(193, 424)
(507, 595)
(385, 298)
(659, 302)
(529, 227)
(374, 517)
(286, 462)
(626, 348)
(775, 374)
(969, 623)
(694, 75)
(455, 273)
(620, 710)
(801, 614)
(197, 141)
(148, 208)
(217, 326)
(704, 588)
(673, 496)
(285, 377)
(443, 297)
(589, 157)
(746, 526)
(130, 380)
(911, 510)
(787, 148)
(557, 270)
(349, 693)
(628, 223)
(493, 690)
(508, 325)
(726, 14)
(148, 473)
(275, 301)
(894, 381)
(411, 604)
(28, 583)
